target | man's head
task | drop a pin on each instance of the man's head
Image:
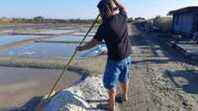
(106, 8)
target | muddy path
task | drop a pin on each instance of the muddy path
(161, 80)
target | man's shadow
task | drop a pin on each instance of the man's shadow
(191, 76)
(101, 104)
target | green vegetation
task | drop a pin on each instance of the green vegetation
(85, 63)
(40, 19)
(163, 23)
(130, 19)
(190, 69)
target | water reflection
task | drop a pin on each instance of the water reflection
(50, 51)
(8, 39)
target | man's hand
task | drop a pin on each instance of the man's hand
(92, 43)
(120, 5)
(79, 48)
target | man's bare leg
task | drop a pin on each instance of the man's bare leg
(124, 89)
(112, 95)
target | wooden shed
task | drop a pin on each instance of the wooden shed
(185, 21)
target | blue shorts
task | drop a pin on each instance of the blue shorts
(116, 71)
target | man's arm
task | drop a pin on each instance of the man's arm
(92, 43)
(120, 5)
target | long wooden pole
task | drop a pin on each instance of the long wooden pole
(71, 58)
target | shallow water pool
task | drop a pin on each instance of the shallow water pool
(48, 51)
(19, 85)
(8, 39)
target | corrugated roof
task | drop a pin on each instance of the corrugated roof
(184, 10)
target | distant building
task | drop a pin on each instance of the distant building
(185, 21)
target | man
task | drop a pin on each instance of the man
(114, 32)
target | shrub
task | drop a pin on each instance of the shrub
(163, 23)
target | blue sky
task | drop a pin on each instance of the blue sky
(85, 8)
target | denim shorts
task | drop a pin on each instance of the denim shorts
(116, 71)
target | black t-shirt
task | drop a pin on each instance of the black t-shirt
(114, 32)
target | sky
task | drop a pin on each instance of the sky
(66, 9)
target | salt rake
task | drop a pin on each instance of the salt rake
(71, 58)
(52, 92)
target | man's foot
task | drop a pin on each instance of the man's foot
(120, 98)
(110, 109)
(103, 106)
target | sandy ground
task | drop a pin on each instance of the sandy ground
(161, 80)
